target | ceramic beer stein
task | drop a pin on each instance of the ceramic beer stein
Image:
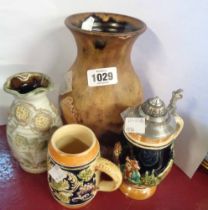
(146, 158)
(32, 119)
(75, 166)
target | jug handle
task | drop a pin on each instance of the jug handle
(179, 124)
(112, 170)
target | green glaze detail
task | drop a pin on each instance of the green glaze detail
(76, 186)
(86, 174)
(150, 179)
(135, 177)
(21, 141)
(59, 186)
(63, 196)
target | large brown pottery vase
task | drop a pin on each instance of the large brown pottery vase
(107, 44)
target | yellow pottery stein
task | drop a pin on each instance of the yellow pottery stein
(75, 165)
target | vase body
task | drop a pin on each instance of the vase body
(105, 46)
(32, 120)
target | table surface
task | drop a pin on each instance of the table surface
(23, 191)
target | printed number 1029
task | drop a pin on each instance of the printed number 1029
(102, 77)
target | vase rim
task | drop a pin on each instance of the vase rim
(45, 84)
(135, 26)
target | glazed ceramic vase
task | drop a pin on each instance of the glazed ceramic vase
(106, 46)
(145, 157)
(75, 166)
(32, 119)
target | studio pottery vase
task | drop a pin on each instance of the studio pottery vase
(32, 119)
(106, 45)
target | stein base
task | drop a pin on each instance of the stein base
(74, 207)
(137, 193)
(33, 171)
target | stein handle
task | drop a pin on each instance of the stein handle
(179, 124)
(109, 168)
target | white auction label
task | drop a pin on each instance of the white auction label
(102, 76)
(57, 173)
(134, 125)
(88, 24)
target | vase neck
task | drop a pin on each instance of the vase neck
(103, 48)
(32, 97)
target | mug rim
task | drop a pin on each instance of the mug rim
(73, 159)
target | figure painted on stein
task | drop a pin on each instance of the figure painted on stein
(131, 171)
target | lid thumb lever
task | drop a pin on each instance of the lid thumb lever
(176, 95)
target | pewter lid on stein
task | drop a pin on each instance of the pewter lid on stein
(159, 119)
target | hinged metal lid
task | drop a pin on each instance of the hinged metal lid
(159, 119)
(154, 107)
